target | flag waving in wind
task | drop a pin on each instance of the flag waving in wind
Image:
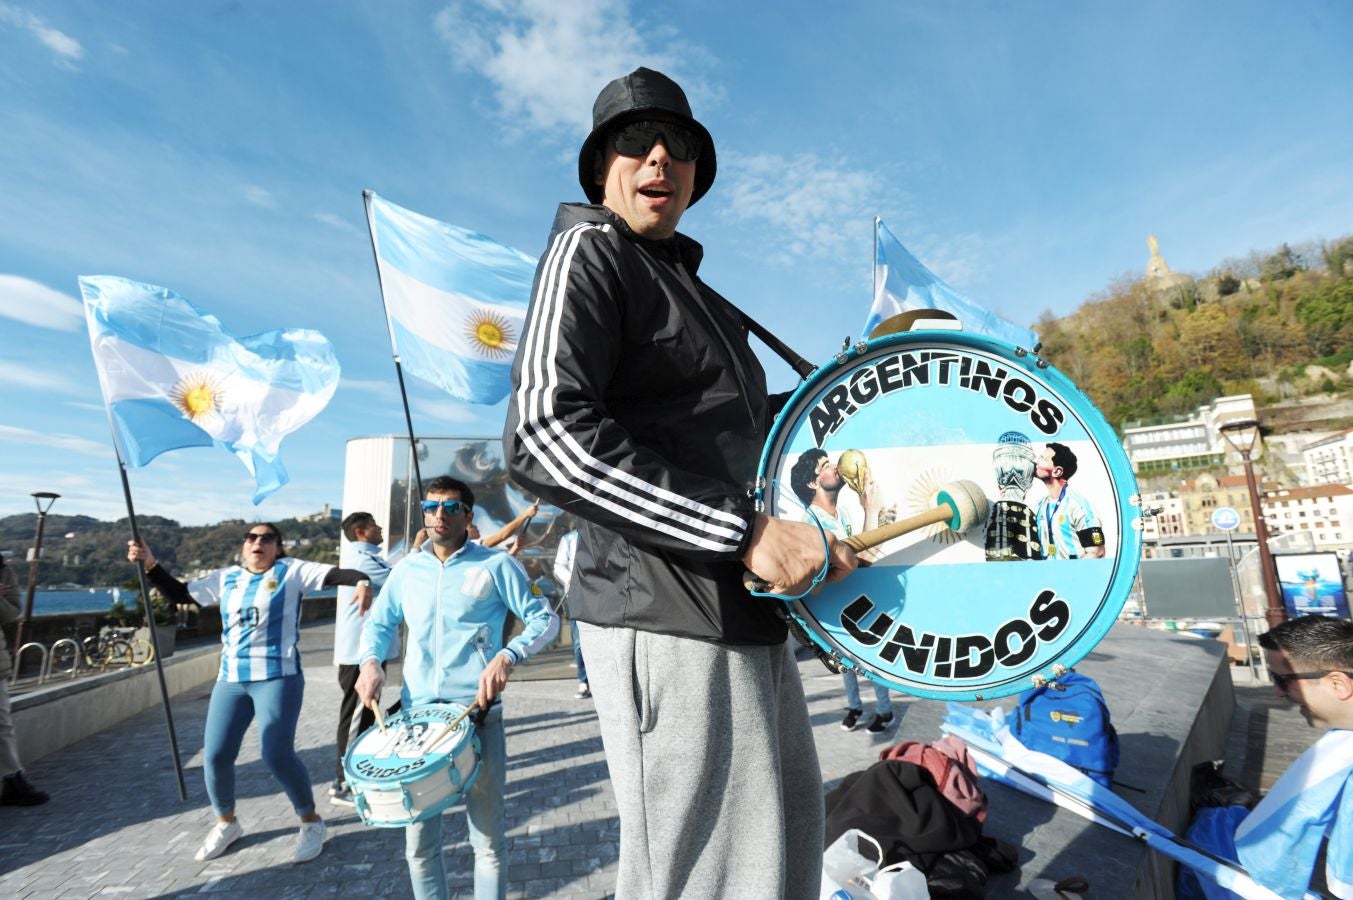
(455, 300)
(173, 377)
(901, 283)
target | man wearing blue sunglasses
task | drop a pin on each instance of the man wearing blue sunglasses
(455, 596)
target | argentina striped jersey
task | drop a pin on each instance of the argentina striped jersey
(260, 616)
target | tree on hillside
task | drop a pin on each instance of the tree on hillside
(1327, 314)
(1212, 343)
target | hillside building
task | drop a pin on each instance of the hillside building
(1189, 442)
(1323, 510)
(1329, 461)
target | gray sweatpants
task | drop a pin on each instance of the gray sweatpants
(712, 760)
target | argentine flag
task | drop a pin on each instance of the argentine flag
(901, 283)
(455, 300)
(173, 377)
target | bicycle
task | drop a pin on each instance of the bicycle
(110, 648)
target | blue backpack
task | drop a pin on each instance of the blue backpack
(1067, 718)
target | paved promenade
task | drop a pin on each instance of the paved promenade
(116, 828)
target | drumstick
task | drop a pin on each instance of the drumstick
(376, 708)
(959, 504)
(447, 729)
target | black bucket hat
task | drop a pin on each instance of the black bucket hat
(642, 94)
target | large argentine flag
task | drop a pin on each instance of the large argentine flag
(455, 300)
(901, 283)
(173, 377)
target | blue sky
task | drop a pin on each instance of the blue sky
(1023, 151)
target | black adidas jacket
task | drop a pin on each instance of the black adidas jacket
(638, 406)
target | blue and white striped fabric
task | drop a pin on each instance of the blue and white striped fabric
(455, 300)
(1279, 839)
(260, 616)
(173, 377)
(901, 283)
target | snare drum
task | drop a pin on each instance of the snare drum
(977, 605)
(416, 768)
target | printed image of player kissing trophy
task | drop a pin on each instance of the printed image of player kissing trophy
(1012, 532)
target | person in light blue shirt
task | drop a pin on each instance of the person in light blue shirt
(817, 482)
(454, 597)
(361, 551)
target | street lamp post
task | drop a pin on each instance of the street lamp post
(39, 498)
(1242, 434)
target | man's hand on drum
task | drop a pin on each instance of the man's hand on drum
(493, 679)
(138, 550)
(369, 682)
(788, 555)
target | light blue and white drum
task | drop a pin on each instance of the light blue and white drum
(416, 768)
(1031, 569)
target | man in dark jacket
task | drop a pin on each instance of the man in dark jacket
(639, 407)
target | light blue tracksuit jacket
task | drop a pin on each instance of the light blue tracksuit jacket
(455, 611)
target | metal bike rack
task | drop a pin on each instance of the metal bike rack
(47, 663)
(42, 663)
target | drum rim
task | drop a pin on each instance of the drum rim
(1127, 560)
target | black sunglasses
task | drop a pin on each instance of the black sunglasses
(266, 537)
(452, 507)
(1281, 680)
(637, 138)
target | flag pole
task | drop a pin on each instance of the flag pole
(394, 348)
(874, 263)
(150, 616)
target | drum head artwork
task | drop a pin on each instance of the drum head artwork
(1023, 512)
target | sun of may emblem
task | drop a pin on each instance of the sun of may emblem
(197, 395)
(491, 334)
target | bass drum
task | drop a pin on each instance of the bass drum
(995, 594)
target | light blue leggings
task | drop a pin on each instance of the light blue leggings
(277, 703)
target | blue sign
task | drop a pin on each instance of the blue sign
(1224, 518)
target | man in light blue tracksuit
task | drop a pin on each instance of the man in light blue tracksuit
(454, 597)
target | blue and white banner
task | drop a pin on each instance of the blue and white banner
(455, 300)
(901, 283)
(173, 377)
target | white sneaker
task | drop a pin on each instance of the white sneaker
(221, 836)
(310, 841)
(583, 691)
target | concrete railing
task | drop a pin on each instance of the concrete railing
(59, 713)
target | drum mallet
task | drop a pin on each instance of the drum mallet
(958, 504)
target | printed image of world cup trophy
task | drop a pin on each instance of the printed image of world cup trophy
(1012, 532)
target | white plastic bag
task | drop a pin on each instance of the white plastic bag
(847, 874)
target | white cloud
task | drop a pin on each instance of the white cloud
(547, 59)
(40, 379)
(36, 304)
(53, 441)
(259, 196)
(337, 222)
(67, 49)
(812, 207)
(379, 388)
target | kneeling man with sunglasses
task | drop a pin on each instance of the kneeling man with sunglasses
(455, 596)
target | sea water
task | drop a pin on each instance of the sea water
(83, 600)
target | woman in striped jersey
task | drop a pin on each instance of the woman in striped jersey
(260, 675)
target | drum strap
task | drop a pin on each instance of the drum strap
(796, 362)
